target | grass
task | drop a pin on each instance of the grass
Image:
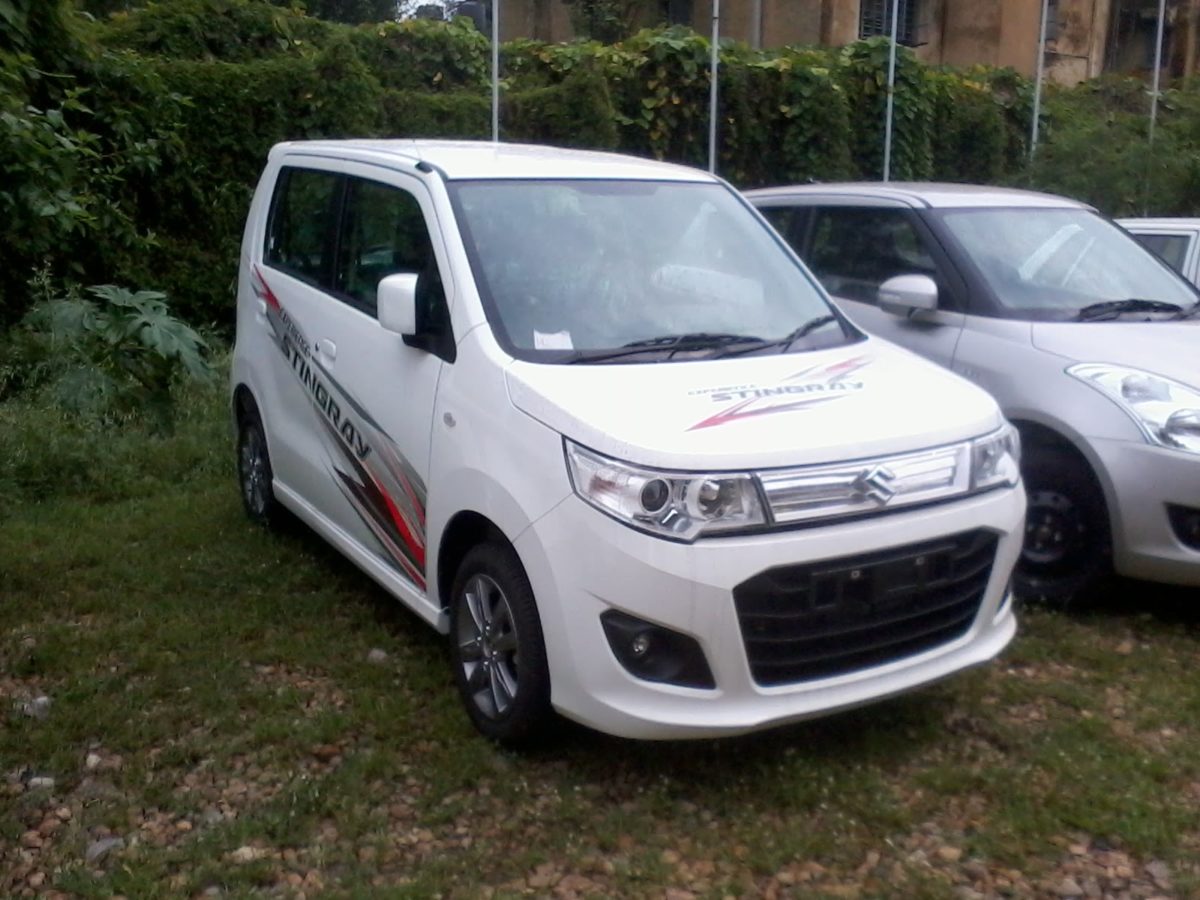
(240, 741)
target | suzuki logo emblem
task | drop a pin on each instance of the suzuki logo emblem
(875, 484)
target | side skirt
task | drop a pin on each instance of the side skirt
(371, 563)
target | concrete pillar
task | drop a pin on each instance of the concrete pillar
(839, 22)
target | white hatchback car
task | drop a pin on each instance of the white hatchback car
(589, 416)
(1177, 241)
(1090, 343)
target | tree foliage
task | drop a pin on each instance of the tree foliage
(130, 146)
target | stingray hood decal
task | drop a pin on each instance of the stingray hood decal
(379, 483)
(807, 388)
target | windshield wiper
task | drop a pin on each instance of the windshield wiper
(669, 344)
(783, 343)
(1111, 309)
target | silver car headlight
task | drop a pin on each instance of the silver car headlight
(996, 459)
(1167, 412)
(679, 505)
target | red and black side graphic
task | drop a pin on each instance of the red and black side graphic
(369, 469)
(807, 388)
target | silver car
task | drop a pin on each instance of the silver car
(1090, 343)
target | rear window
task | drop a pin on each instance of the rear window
(304, 218)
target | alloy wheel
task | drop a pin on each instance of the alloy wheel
(489, 651)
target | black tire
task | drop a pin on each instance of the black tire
(497, 649)
(1067, 553)
(254, 470)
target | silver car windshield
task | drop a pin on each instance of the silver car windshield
(573, 270)
(1052, 263)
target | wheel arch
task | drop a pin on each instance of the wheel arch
(465, 529)
(243, 402)
(1041, 436)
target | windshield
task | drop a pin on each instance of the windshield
(1052, 263)
(570, 271)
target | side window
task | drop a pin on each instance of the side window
(782, 218)
(1171, 247)
(853, 251)
(385, 233)
(300, 235)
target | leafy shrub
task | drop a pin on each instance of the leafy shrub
(423, 54)
(1096, 149)
(575, 113)
(1013, 93)
(107, 359)
(457, 114)
(76, 170)
(229, 30)
(862, 73)
(969, 137)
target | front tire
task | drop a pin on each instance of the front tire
(497, 649)
(1067, 550)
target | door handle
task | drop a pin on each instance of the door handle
(327, 348)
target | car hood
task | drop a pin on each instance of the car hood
(1164, 348)
(863, 400)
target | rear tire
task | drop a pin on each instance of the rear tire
(255, 476)
(1067, 552)
(497, 649)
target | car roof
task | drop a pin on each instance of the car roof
(1162, 222)
(483, 159)
(931, 195)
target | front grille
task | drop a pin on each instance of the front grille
(817, 620)
(867, 486)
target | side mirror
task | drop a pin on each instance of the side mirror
(905, 294)
(396, 304)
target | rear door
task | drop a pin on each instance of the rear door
(359, 401)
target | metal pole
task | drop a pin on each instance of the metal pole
(1037, 88)
(713, 65)
(891, 94)
(495, 71)
(756, 37)
(1158, 49)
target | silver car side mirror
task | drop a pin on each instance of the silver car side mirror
(396, 304)
(906, 294)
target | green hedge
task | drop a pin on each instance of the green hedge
(1096, 148)
(137, 164)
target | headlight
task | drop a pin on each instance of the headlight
(996, 459)
(680, 505)
(1167, 412)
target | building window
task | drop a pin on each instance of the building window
(875, 18)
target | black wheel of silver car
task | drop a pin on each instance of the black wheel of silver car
(496, 646)
(254, 470)
(1067, 545)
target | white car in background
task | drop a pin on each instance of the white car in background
(1090, 343)
(1177, 241)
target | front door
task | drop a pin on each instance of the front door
(353, 442)
(854, 249)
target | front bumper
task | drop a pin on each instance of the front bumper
(582, 563)
(1142, 480)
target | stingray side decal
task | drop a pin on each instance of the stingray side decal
(380, 484)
